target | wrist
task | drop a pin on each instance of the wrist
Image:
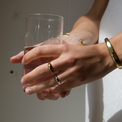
(113, 54)
(72, 39)
(106, 58)
(116, 43)
(86, 29)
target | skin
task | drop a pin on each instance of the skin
(94, 59)
(75, 64)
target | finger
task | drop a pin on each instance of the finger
(60, 64)
(63, 87)
(42, 51)
(50, 95)
(68, 80)
(38, 74)
(23, 88)
(17, 58)
(67, 85)
(40, 96)
(42, 72)
(50, 82)
(47, 94)
(65, 93)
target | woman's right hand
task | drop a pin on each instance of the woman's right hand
(86, 29)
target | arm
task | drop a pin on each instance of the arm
(86, 27)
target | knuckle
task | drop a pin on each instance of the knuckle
(60, 89)
(38, 50)
(52, 82)
(71, 60)
(36, 89)
(40, 98)
(27, 78)
(64, 47)
(25, 59)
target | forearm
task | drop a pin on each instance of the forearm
(91, 21)
(98, 9)
(95, 13)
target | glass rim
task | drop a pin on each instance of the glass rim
(41, 14)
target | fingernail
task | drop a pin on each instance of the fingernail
(23, 81)
(45, 95)
(68, 92)
(28, 91)
(23, 61)
(13, 56)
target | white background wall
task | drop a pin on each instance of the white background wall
(15, 105)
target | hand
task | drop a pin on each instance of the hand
(46, 94)
(76, 65)
(86, 29)
(86, 35)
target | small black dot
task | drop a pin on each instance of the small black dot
(11, 71)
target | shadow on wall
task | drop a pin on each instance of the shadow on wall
(117, 117)
(95, 101)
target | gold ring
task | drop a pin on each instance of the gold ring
(57, 80)
(66, 34)
(50, 67)
(59, 96)
(81, 42)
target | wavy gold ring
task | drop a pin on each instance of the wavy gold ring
(57, 80)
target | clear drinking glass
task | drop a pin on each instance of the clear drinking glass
(41, 29)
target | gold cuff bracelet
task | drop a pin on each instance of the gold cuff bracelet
(113, 54)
